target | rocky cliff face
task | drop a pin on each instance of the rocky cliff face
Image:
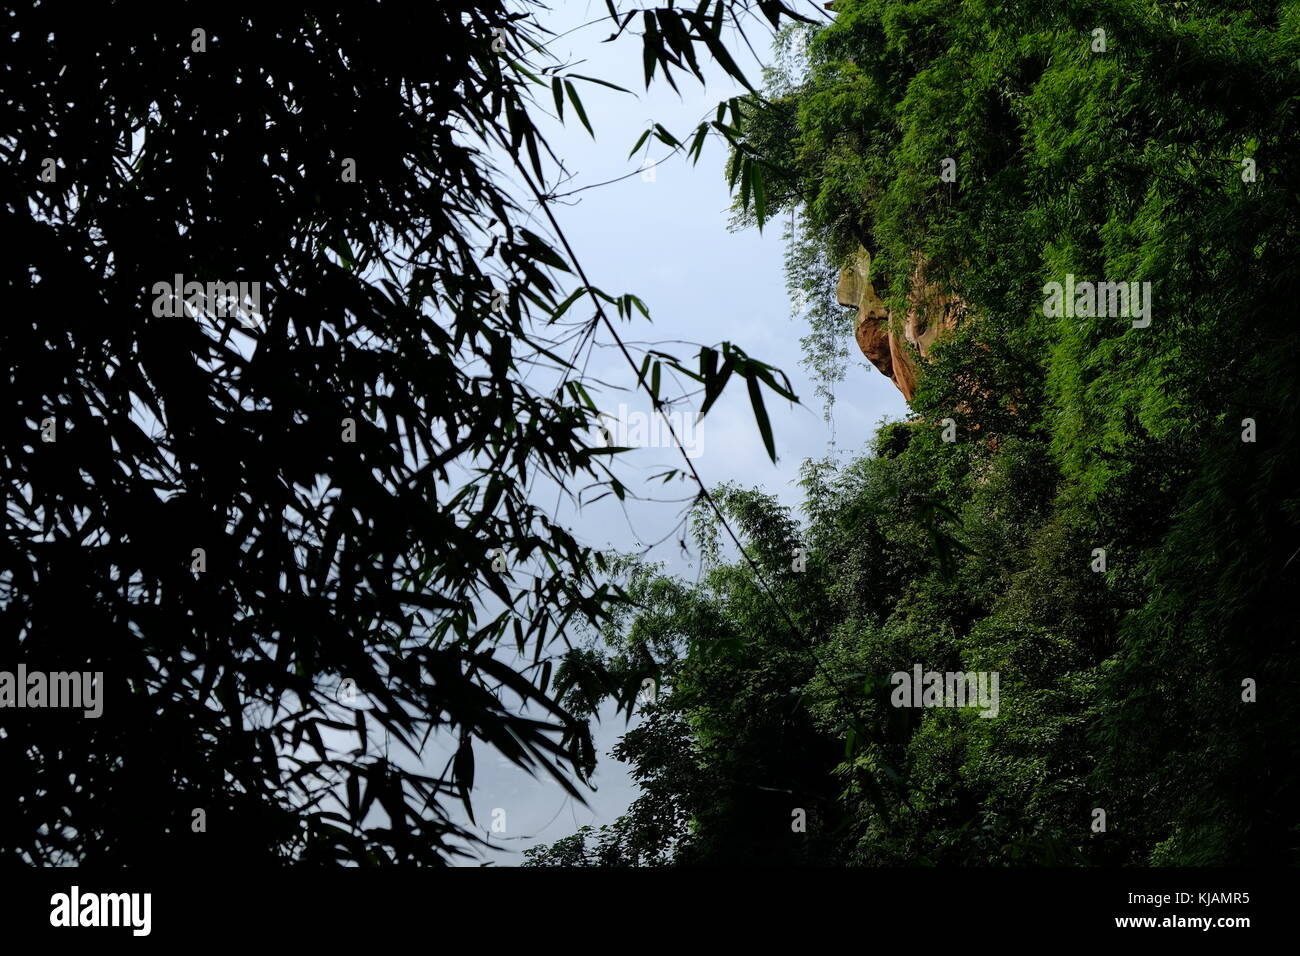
(929, 313)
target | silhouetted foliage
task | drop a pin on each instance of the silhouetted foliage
(239, 512)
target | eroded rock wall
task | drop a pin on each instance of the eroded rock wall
(930, 312)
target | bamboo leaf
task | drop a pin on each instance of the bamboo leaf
(577, 107)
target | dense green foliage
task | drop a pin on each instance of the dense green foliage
(1121, 689)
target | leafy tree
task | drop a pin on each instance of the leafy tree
(1115, 531)
(231, 514)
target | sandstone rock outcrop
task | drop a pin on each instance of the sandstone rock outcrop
(930, 311)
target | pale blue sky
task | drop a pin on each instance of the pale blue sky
(667, 241)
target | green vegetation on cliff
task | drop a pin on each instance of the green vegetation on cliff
(1135, 142)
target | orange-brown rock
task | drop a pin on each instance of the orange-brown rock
(930, 312)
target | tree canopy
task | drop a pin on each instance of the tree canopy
(1104, 513)
(305, 479)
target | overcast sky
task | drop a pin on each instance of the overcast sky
(665, 239)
